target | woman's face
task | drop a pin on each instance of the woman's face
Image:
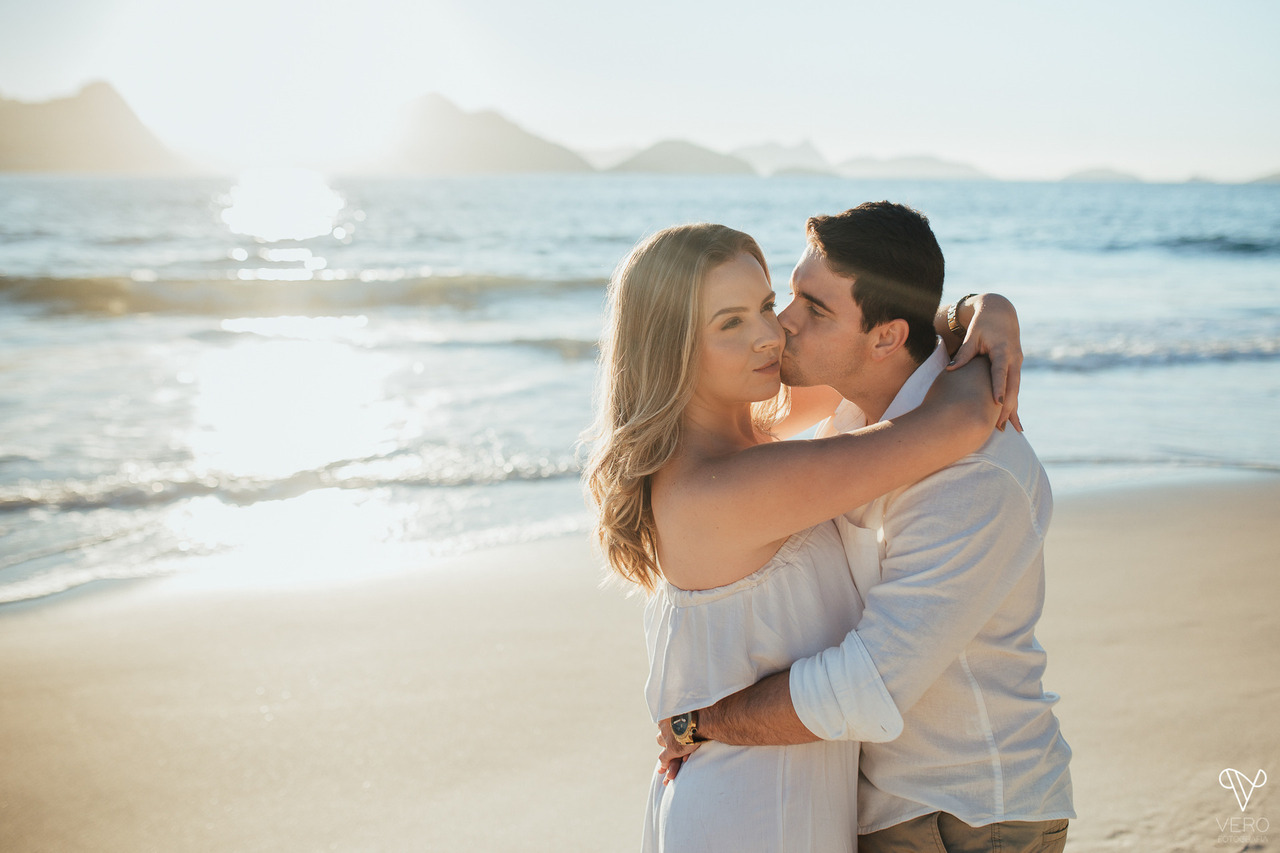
(741, 338)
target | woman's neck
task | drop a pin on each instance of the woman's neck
(718, 428)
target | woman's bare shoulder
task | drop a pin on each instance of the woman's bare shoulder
(698, 545)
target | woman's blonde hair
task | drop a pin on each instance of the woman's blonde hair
(648, 371)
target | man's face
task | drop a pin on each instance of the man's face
(825, 341)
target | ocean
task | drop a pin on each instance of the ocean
(281, 378)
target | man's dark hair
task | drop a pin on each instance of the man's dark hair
(890, 252)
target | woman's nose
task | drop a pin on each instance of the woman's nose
(772, 335)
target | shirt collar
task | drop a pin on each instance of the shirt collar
(913, 391)
(848, 416)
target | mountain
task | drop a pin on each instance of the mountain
(607, 158)
(91, 131)
(771, 157)
(438, 138)
(1102, 176)
(910, 168)
(684, 158)
(801, 172)
(1267, 179)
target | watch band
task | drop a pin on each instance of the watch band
(953, 316)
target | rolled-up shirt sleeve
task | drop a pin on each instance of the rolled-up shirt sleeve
(838, 695)
(956, 544)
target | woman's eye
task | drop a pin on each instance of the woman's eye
(771, 306)
(729, 324)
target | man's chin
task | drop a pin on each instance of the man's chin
(789, 372)
(791, 377)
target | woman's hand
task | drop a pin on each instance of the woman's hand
(993, 332)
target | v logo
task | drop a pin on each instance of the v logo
(1241, 784)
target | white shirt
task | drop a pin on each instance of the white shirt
(952, 572)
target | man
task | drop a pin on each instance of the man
(941, 680)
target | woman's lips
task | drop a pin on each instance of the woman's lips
(771, 367)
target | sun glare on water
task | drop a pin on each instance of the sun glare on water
(281, 423)
(283, 415)
(271, 205)
(281, 406)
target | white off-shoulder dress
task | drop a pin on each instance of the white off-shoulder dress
(707, 644)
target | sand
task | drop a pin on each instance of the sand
(495, 702)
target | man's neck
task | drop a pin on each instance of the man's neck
(874, 389)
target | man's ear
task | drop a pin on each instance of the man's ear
(888, 338)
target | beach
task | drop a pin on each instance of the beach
(293, 550)
(494, 702)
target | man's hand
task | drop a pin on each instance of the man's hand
(673, 754)
(993, 332)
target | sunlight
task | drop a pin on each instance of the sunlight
(285, 419)
(348, 329)
(282, 204)
(276, 409)
(323, 537)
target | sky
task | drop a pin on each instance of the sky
(1166, 90)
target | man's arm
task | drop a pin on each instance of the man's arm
(765, 714)
(761, 714)
(958, 543)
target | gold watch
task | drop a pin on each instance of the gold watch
(685, 727)
(953, 315)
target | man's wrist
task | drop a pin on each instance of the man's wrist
(960, 315)
(969, 311)
(684, 728)
(707, 719)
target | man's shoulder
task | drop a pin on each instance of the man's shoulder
(1004, 468)
(1009, 451)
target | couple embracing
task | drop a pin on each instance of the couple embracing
(840, 630)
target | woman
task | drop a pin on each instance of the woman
(729, 529)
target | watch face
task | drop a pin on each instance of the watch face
(679, 725)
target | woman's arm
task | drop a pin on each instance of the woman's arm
(763, 494)
(990, 326)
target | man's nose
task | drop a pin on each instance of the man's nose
(787, 319)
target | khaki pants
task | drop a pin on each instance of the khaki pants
(941, 833)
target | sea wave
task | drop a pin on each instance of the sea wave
(571, 349)
(1173, 461)
(1094, 240)
(1224, 243)
(18, 459)
(326, 293)
(55, 582)
(147, 239)
(441, 467)
(1126, 353)
(1210, 244)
